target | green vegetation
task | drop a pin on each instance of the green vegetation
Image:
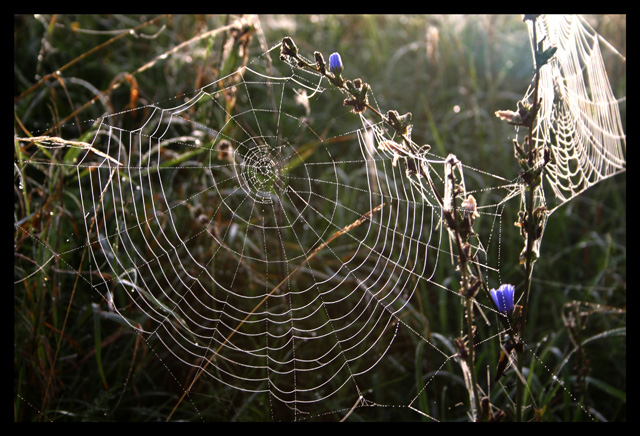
(76, 361)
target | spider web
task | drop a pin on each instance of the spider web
(306, 247)
(579, 118)
(277, 256)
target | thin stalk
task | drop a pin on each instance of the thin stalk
(525, 306)
(531, 220)
(456, 223)
(470, 348)
(471, 356)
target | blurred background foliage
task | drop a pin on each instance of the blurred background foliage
(451, 72)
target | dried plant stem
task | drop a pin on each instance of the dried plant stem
(468, 283)
(56, 74)
(525, 305)
(302, 63)
(531, 228)
(65, 143)
(475, 403)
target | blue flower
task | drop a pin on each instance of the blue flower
(335, 64)
(503, 298)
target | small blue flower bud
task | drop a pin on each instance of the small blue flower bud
(335, 64)
(503, 298)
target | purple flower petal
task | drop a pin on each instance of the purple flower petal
(335, 64)
(503, 297)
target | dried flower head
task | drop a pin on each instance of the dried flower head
(470, 206)
(510, 117)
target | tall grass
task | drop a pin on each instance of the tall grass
(73, 360)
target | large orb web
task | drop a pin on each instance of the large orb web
(263, 245)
